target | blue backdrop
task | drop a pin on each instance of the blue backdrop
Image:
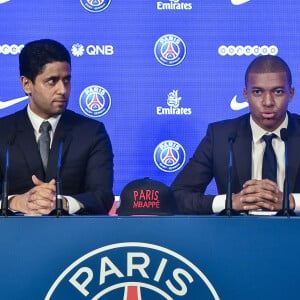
(154, 72)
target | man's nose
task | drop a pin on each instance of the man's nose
(268, 99)
(61, 87)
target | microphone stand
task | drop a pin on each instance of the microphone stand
(59, 210)
(285, 211)
(229, 211)
(5, 211)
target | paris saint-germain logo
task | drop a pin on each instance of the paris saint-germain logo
(132, 271)
(170, 50)
(169, 156)
(95, 6)
(95, 101)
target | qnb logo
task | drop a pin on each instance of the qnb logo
(95, 6)
(79, 50)
(173, 5)
(11, 49)
(247, 50)
(95, 101)
(169, 156)
(132, 271)
(174, 108)
(170, 50)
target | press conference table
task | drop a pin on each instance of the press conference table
(178, 257)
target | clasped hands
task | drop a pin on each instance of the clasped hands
(40, 200)
(260, 194)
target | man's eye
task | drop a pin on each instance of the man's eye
(256, 92)
(51, 81)
(279, 92)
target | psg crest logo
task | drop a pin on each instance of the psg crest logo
(95, 6)
(95, 101)
(170, 50)
(169, 156)
(132, 271)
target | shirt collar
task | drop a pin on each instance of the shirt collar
(36, 120)
(258, 132)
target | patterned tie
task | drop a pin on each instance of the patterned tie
(269, 169)
(44, 142)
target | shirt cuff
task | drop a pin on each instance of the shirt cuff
(297, 202)
(74, 205)
(219, 203)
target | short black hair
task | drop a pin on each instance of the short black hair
(269, 64)
(36, 54)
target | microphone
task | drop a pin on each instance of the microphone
(5, 211)
(285, 211)
(229, 211)
(59, 211)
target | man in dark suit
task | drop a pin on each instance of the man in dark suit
(268, 90)
(87, 158)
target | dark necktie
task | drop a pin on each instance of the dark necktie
(269, 168)
(44, 142)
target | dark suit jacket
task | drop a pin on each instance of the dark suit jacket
(211, 157)
(87, 160)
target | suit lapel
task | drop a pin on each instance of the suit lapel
(293, 150)
(63, 133)
(26, 142)
(242, 153)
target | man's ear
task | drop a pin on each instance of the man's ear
(26, 84)
(292, 92)
(245, 94)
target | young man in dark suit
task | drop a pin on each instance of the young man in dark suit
(87, 158)
(268, 91)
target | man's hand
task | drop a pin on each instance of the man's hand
(39, 200)
(260, 194)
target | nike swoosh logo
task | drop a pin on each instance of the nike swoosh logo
(234, 105)
(8, 103)
(239, 2)
(3, 1)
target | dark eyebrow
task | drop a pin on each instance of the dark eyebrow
(52, 77)
(256, 88)
(273, 88)
(57, 77)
